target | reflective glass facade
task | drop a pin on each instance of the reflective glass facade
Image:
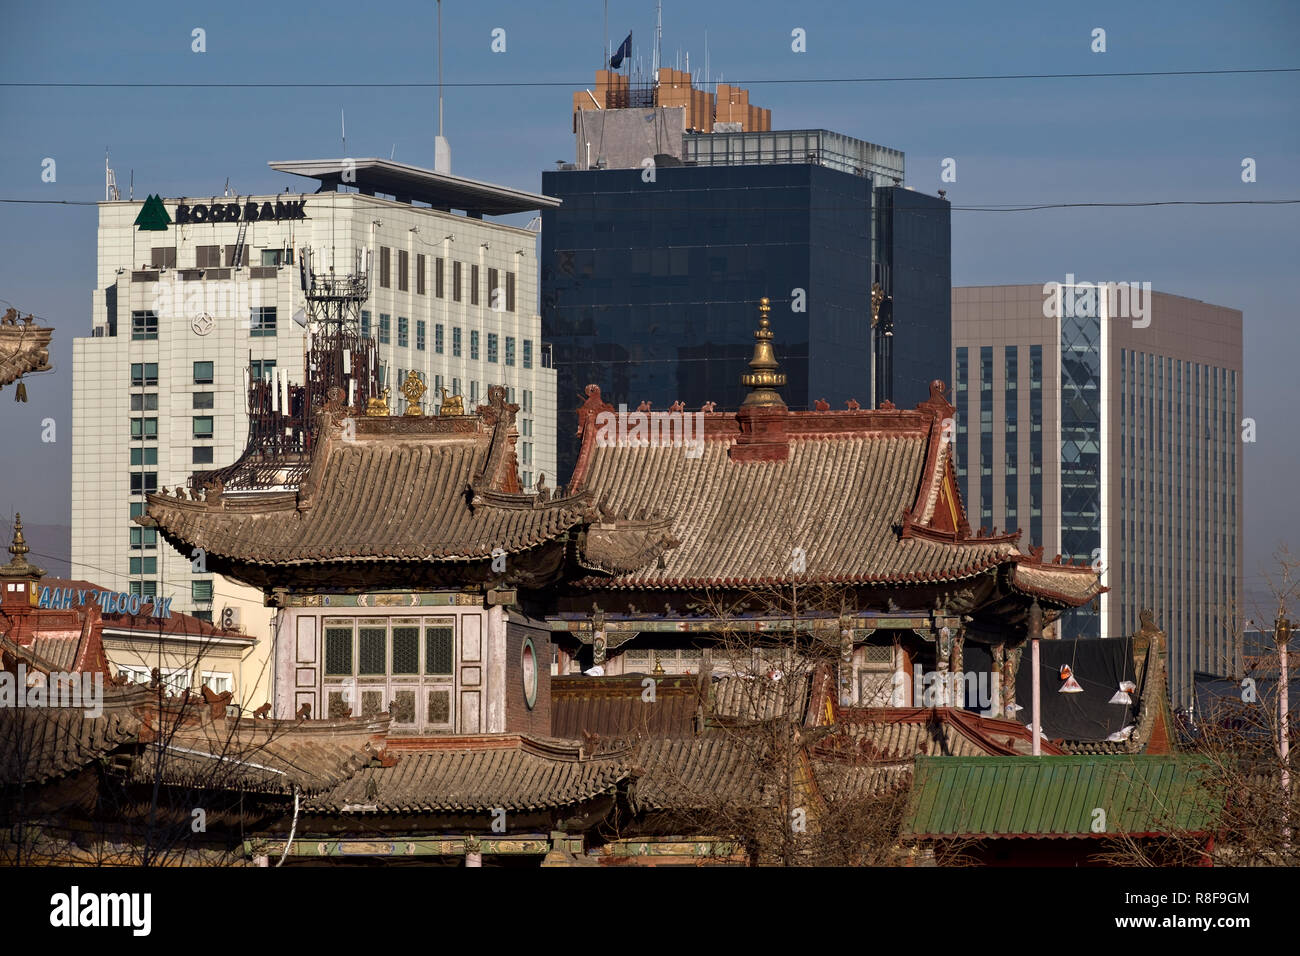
(650, 289)
(1081, 452)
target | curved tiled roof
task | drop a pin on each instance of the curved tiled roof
(515, 773)
(840, 497)
(423, 489)
(709, 771)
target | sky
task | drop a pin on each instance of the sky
(1015, 141)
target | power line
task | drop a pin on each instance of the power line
(987, 207)
(768, 81)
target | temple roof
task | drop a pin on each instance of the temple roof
(856, 496)
(479, 773)
(382, 489)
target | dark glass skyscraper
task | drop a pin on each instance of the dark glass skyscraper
(649, 283)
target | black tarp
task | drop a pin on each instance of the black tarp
(1098, 664)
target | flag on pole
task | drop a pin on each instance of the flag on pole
(624, 50)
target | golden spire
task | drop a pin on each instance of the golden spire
(763, 378)
(19, 565)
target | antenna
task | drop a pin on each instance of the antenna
(441, 148)
(659, 36)
(343, 128)
(392, 152)
(110, 181)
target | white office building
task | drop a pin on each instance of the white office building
(194, 293)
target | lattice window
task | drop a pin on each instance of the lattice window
(372, 650)
(406, 650)
(338, 651)
(439, 642)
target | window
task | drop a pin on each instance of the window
(385, 328)
(473, 285)
(406, 649)
(145, 403)
(201, 590)
(163, 257)
(145, 589)
(495, 292)
(438, 641)
(419, 274)
(145, 429)
(260, 368)
(144, 456)
(144, 325)
(473, 344)
(365, 324)
(385, 266)
(261, 321)
(510, 350)
(143, 538)
(473, 394)
(510, 291)
(202, 426)
(455, 386)
(218, 682)
(201, 399)
(230, 256)
(201, 455)
(528, 353)
(372, 649)
(403, 271)
(144, 482)
(492, 347)
(455, 341)
(455, 281)
(438, 339)
(272, 257)
(202, 373)
(419, 334)
(137, 509)
(437, 384)
(207, 257)
(144, 566)
(338, 651)
(437, 278)
(403, 332)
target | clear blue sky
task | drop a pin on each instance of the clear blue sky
(1054, 140)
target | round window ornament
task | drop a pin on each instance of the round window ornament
(202, 323)
(528, 671)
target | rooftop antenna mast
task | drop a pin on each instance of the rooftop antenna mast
(110, 181)
(659, 37)
(441, 148)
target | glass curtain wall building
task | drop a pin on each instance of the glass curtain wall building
(1120, 448)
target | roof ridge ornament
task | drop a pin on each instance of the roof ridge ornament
(765, 375)
(18, 565)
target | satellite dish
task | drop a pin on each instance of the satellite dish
(301, 317)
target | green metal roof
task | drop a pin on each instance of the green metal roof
(1058, 796)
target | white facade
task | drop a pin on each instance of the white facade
(147, 413)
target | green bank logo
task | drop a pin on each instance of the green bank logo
(153, 217)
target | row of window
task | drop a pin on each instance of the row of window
(261, 323)
(145, 374)
(501, 297)
(384, 333)
(210, 257)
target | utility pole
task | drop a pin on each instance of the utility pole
(1282, 637)
(1035, 633)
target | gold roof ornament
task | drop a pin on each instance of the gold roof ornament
(377, 406)
(18, 565)
(764, 377)
(451, 404)
(414, 390)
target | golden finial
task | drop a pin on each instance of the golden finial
(18, 565)
(19, 547)
(877, 297)
(414, 390)
(763, 378)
